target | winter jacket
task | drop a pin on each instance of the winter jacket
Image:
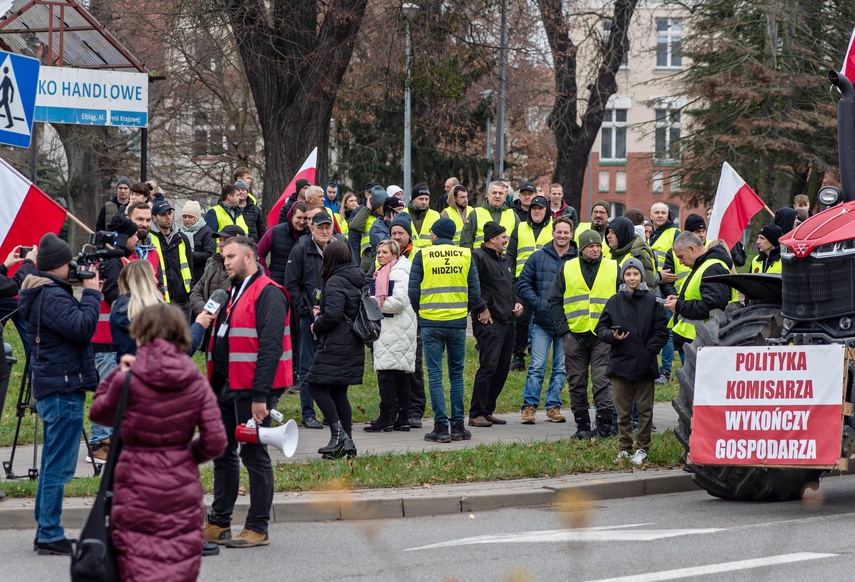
(395, 349)
(340, 357)
(470, 229)
(536, 279)
(356, 227)
(496, 283)
(521, 212)
(213, 277)
(275, 247)
(569, 212)
(713, 295)
(286, 208)
(256, 222)
(62, 360)
(637, 312)
(157, 512)
(109, 209)
(629, 243)
(303, 274)
(381, 230)
(204, 247)
(9, 286)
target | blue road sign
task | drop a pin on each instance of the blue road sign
(19, 78)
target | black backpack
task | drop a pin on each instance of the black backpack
(366, 324)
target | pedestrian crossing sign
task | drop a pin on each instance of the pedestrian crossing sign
(19, 78)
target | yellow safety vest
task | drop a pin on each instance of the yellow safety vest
(458, 222)
(692, 291)
(583, 226)
(583, 306)
(527, 244)
(508, 220)
(662, 245)
(445, 285)
(224, 219)
(421, 238)
(365, 241)
(342, 224)
(757, 266)
(681, 270)
(183, 265)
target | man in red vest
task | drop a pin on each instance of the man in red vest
(249, 367)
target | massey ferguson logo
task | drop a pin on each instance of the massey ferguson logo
(801, 249)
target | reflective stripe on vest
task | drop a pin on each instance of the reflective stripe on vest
(183, 265)
(365, 241)
(508, 220)
(662, 245)
(583, 306)
(527, 244)
(459, 222)
(421, 238)
(243, 342)
(103, 333)
(757, 266)
(692, 291)
(445, 285)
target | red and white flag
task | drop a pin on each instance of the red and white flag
(849, 59)
(26, 213)
(306, 171)
(735, 204)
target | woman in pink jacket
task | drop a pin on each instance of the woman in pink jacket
(157, 514)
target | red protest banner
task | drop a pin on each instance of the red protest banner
(768, 405)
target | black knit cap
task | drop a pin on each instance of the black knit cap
(694, 223)
(770, 232)
(493, 229)
(53, 253)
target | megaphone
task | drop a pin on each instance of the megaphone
(283, 437)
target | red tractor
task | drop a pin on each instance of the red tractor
(811, 303)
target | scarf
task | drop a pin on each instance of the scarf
(381, 283)
(192, 230)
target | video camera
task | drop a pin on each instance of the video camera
(95, 252)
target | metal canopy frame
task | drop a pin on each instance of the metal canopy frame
(62, 33)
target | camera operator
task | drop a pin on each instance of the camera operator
(9, 287)
(60, 329)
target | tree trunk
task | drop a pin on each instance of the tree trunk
(294, 55)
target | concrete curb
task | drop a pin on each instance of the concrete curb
(413, 502)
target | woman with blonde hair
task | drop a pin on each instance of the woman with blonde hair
(348, 203)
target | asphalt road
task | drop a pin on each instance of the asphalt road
(667, 537)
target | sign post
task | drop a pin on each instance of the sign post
(18, 79)
(772, 406)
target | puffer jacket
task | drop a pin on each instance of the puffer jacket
(340, 357)
(536, 279)
(62, 361)
(256, 222)
(213, 277)
(157, 512)
(395, 349)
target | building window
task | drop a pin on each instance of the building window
(613, 135)
(657, 181)
(669, 43)
(667, 146)
(209, 137)
(620, 181)
(607, 32)
(617, 209)
(604, 185)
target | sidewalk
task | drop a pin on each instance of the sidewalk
(405, 502)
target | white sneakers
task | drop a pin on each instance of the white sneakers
(637, 459)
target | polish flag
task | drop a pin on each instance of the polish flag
(307, 171)
(849, 59)
(735, 204)
(26, 213)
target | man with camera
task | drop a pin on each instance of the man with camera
(60, 329)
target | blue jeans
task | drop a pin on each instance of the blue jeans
(62, 418)
(668, 351)
(541, 341)
(105, 362)
(435, 340)
(308, 345)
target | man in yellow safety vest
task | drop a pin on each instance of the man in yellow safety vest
(494, 209)
(768, 259)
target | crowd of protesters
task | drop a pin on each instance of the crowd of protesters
(613, 297)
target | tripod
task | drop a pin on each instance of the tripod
(27, 404)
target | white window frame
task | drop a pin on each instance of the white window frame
(604, 181)
(666, 42)
(667, 120)
(620, 181)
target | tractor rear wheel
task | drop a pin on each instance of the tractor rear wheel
(736, 326)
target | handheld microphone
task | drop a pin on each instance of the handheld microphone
(216, 302)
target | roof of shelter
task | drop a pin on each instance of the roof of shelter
(66, 33)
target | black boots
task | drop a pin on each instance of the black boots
(605, 425)
(381, 424)
(583, 424)
(340, 444)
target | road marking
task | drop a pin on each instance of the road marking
(622, 533)
(719, 568)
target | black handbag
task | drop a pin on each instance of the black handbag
(92, 558)
(366, 324)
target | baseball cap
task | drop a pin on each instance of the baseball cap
(540, 201)
(229, 231)
(161, 207)
(322, 218)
